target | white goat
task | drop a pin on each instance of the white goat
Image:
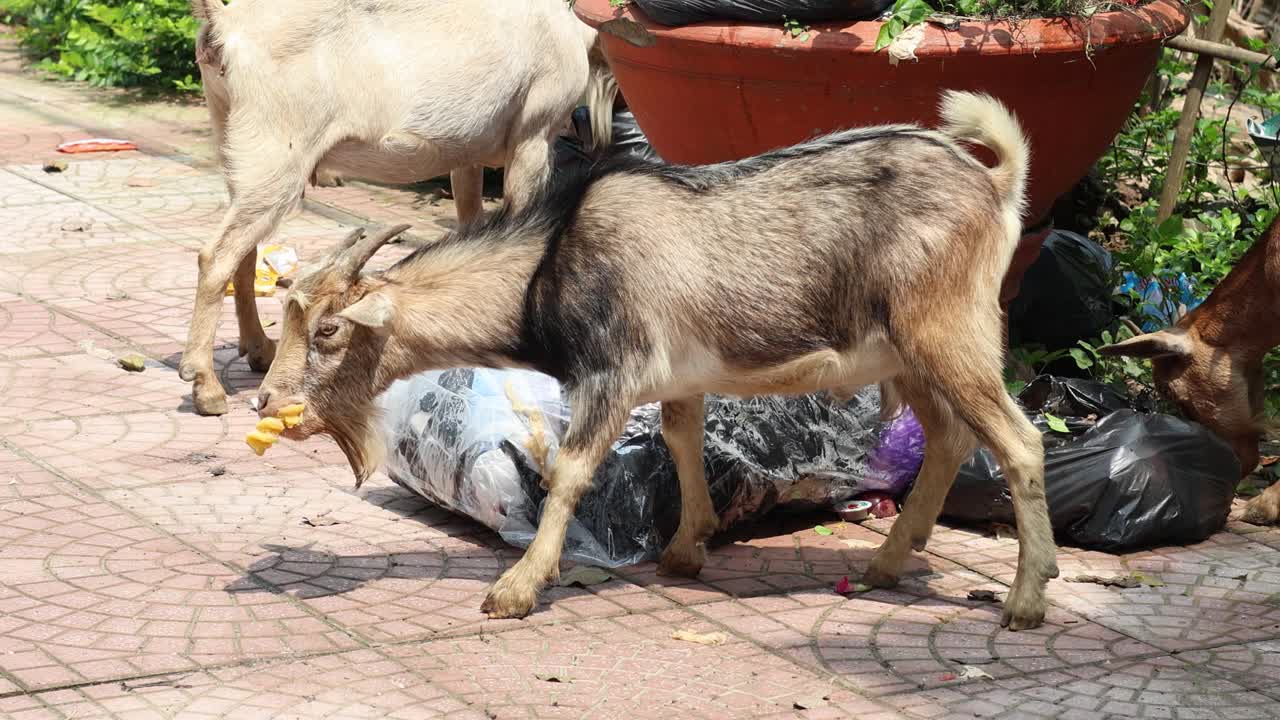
(391, 91)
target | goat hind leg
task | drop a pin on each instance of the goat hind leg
(259, 349)
(527, 171)
(947, 445)
(682, 428)
(467, 183)
(597, 421)
(980, 399)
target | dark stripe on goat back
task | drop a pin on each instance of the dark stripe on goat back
(701, 178)
(577, 321)
(553, 209)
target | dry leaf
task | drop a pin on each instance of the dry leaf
(860, 544)
(133, 362)
(1120, 581)
(321, 520)
(711, 638)
(983, 595)
(140, 182)
(583, 576)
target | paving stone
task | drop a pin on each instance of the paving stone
(1162, 687)
(91, 593)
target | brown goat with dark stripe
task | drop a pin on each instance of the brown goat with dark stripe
(870, 255)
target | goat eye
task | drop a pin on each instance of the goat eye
(327, 329)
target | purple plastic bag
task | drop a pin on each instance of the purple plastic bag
(893, 465)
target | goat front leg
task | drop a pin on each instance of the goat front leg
(682, 429)
(234, 248)
(1265, 508)
(259, 349)
(598, 419)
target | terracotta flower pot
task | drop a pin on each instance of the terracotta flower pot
(721, 91)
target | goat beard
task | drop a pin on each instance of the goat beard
(361, 445)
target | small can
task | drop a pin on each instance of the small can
(853, 510)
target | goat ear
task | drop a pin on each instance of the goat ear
(1162, 343)
(374, 311)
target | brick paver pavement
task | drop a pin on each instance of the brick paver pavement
(152, 567)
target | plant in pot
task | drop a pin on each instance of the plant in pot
(1070, 70)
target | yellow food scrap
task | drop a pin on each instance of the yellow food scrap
(268, 429)
(260, 441)
(271, 425)
(291, 414)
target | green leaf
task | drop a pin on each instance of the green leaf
(1056, 423)
(912, 12)
(885, 37)
(1083, 361)
(1172, 227)
(822, 530)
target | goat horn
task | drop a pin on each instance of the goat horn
(341, 248)
(1133, 328)
(353, 260)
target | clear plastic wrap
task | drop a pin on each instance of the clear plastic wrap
(477, 442)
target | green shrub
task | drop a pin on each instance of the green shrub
(120, 43)
(1213, 225)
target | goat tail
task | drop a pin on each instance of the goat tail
(602, 91)
(981, 119)
(207, 10)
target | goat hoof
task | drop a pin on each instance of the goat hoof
(260, 356)
(879, 578)
(1263, 509)
(1024, 619)
(682, 563)
(209, 400)
(507, 601)
(1020, 613)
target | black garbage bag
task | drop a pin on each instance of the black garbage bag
(686, 12)
(1066, 295)
(627, 138)
(478, 442)
(1127, 481)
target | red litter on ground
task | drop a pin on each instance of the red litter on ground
(96, 145)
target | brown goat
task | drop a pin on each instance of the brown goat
(1210, 362)
(870, 255)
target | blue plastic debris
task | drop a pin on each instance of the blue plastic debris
(1155, 308)
(1264, 135)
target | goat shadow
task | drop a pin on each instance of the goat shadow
(306, 573)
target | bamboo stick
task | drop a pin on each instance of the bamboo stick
(1190, 110)
(1221, 51)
